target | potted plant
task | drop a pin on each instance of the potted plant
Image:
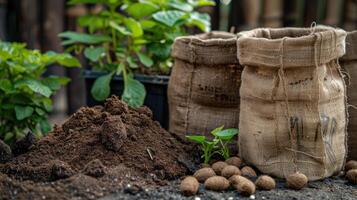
(128, 46)
(24, 96)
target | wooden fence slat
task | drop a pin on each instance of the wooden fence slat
(53, 24)
(3, 5)
(29, 23)
(76, 93)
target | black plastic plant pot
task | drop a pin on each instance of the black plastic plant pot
(156, 92)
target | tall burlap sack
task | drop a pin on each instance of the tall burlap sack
(349, 64)
(292, 112)
(203, 90)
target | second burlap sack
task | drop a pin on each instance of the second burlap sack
(293, 105)
(349, 64)
(203, 91)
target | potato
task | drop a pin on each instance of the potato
(218, 167)
(217, 183)
(351, 176)
(236, 179)
(265, 183)
(189, 186)
(203, 174)
(352, 164)
(236, 161)
(296, 181)
(243, 185)
(230, 170)
(248, 172)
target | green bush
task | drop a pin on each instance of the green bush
(133, 35)
(24, 95)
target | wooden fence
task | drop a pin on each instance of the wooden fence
(37, 22)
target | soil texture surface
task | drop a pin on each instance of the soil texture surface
(94, 153)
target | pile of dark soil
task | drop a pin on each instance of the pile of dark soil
(95, 152)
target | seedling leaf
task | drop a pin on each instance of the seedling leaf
(197, 138)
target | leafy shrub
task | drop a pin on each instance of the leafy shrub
(24, 95)
(131, 35)
(219, 144)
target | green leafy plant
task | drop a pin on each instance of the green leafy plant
(219, 143)
(24, 95)
(129, 36)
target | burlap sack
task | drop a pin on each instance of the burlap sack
(203, 90)
(292, 112)
(349, 64)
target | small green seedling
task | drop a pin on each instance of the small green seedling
(224, 137)
(207, 146)
(219, 144)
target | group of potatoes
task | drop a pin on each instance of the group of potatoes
(351, 171)
(224, 175)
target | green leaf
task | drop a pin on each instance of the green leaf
(216, 130)
(147, 24)
(6, 86)
(55, 82)
(23, 112)
(140, 41)
(119, 69)
(134, 27)
(140, 10)
(200, 3)
(197, 138)
(68, 61)
(73, 37)
(93, 22)
(145, 60)
(134, 92)
(93, 54)
(45, 125)
(201, 20)
(170, 17)
(181, 6)
(132, 63)
(101, 88)
(121, 29)
(40, 112)
(160, 50)
(47, 103)
(35, 86)
(227, 134)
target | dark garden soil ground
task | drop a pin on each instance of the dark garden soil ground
(95, 152)
(335, 188)
(115, 152)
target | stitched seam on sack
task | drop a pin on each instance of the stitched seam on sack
(190, 86)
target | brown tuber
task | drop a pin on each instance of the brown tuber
(352, 164)
(296, 181)
(248, 172)
(230, 170)
(265, 183)
(236, 161)
(217, 183)
(243, 185)
(234, 180)
(203, 174)
(351, 176)
(189, 186)
(218, 167)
